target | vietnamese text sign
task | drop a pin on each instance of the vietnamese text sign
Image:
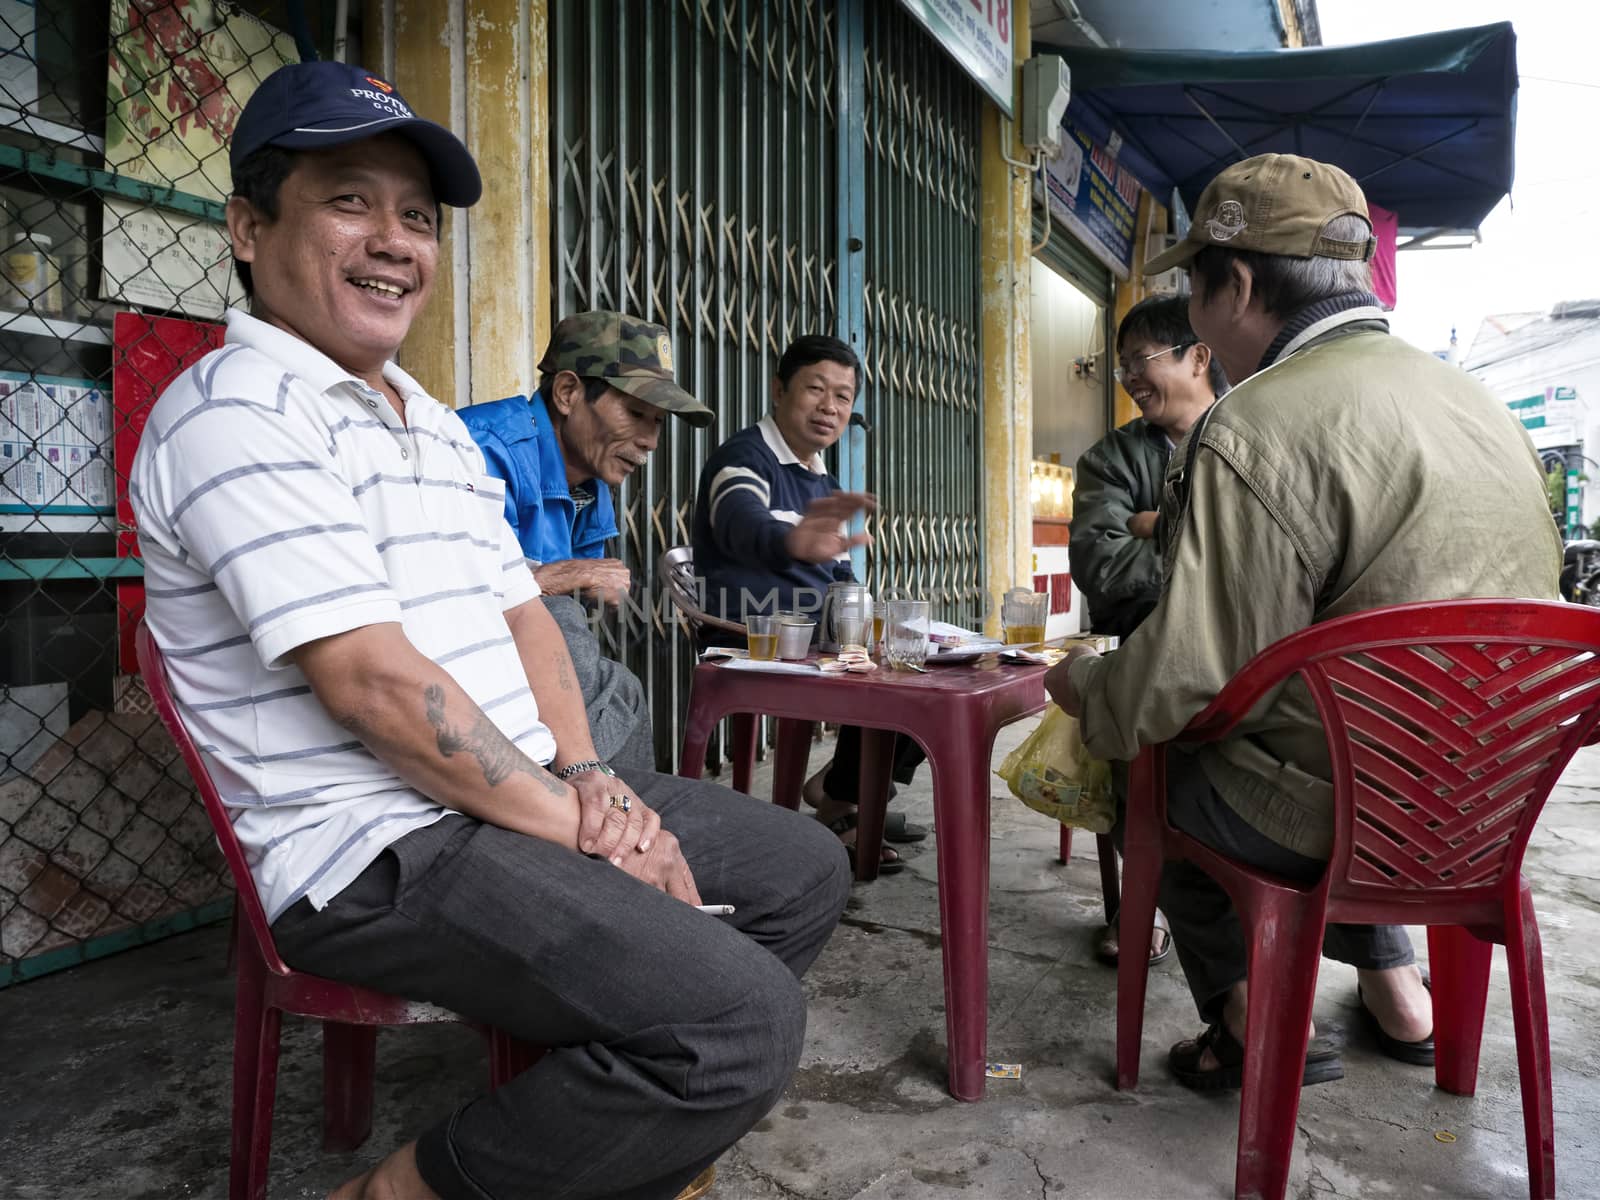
(1556, 413)
(977, 34)
(1095, 197)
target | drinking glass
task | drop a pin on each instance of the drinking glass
(761, 635)
(1023, 614)
(906, 628)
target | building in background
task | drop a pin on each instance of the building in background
(1546, 367)
(740, 173)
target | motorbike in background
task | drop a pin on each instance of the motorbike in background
(1580, 573)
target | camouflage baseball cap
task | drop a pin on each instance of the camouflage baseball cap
(1273, 204)
(631, 355)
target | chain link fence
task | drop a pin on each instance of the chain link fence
(114, 275)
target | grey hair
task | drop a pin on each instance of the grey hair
(1284, 284)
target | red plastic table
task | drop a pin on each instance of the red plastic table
(954, 713)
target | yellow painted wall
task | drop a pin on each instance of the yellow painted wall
(1005, 233)
(479, 67)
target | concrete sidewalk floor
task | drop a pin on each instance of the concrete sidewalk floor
(117, 1073)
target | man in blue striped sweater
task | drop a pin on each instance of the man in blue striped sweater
(771, 534)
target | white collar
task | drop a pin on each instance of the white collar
(787, 457)
(303, 359)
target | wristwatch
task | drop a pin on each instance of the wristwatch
(579, 768)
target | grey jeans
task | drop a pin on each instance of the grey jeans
(672, 1032)
(1205, 929)
(613, 696)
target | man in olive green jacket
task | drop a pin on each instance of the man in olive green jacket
(1347, 471)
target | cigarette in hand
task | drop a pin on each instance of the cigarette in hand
(716, 910)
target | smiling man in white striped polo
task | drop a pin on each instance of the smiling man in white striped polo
(356, 642)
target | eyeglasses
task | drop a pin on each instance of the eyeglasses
(1132, 370)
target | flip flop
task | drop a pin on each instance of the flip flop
(1416, 1054)
(700, 1184)
(886, 866)
(897, 829)
(1106, 948)
(1323, 1061)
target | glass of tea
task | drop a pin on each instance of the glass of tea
(1023, 614)
(761, 636)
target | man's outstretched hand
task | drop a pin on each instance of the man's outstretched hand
(818, 537)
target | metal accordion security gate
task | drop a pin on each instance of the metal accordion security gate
(747, 171)
(925, 450)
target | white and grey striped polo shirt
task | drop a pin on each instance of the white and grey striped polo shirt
(280, 500)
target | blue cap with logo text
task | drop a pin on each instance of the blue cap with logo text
(305, 106)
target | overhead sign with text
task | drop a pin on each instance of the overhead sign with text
(977, 34)
(1095, 197)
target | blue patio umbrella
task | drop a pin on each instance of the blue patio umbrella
(1425, 124)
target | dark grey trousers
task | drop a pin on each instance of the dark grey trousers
(672, 1031)
(1205, 929)
(613, 697)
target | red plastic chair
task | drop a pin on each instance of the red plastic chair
(1447, 724)
(267, 988)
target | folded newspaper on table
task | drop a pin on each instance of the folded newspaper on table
(1052, 773)
(776, 666)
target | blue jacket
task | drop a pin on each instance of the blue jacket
(519, 446)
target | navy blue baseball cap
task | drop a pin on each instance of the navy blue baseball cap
(305, 106)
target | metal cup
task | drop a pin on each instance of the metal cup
(794, 637)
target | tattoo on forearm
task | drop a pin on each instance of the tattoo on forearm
(563, 676)
(497, 755)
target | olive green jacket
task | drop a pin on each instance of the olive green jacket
(1353, 473)
(1118, 574)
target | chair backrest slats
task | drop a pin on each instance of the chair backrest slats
(1448, 725)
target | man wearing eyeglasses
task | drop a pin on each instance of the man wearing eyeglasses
(1173, 378)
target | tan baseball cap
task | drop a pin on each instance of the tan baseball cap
(631, 355)
(1273, 204)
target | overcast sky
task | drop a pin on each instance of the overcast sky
(1543, 244)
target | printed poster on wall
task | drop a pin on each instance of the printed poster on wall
(55, 445)
(150, 352)
(180, 72)
(1095, 197)
(147, 354)
(977, 34)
